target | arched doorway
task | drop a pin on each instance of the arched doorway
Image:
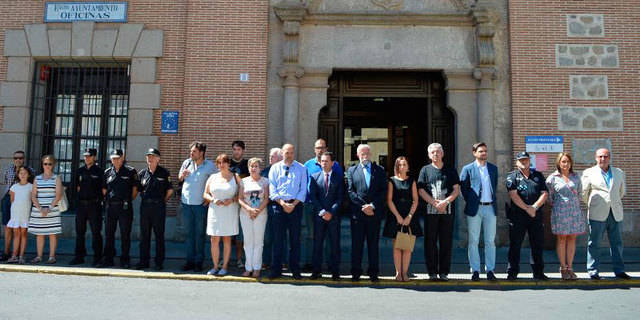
(397, 113)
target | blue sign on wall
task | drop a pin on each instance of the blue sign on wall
(85, 11)
(170, 121)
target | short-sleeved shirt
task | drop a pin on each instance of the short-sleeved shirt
(529, 189)
(438, 183)
(240, 168)
(91, 181)
(194, 183)
(154, 185)
(120, 183)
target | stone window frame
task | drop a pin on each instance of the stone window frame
(82, 40)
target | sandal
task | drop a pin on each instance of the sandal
(36, 260)
(52, 260)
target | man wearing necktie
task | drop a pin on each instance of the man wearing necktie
(326, 192)
(367, 187)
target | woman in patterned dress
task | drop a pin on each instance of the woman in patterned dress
(567, 220)
(45, 215)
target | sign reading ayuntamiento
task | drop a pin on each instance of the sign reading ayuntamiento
(85, 11)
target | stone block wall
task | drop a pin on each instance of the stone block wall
(575, 73)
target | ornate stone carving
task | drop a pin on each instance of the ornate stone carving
(485, 30)
(389, 4)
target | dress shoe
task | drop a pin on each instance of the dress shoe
(623, 275)
(540, 277)
(142, 266)
(197, 267)
(187, 266)
(444, 277)
(512, 276)
(475, 276)
(335, 277)
(76, 261)
(491, 276)
(297, 276)
(315, 276)
(158, 267)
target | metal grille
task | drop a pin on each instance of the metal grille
(77, 106)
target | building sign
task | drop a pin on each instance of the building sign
(170, 121)
(544, 143)
(85, 11)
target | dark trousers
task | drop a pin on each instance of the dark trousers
(152, 217)
(283, 222)
(519, 224)
(118, 216)
(321, 229)
(91, 212)
(438, 241)
(365, 228)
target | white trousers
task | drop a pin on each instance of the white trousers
(253, 232)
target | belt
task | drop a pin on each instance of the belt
(486, 203)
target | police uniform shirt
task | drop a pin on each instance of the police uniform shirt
(120, 184)
(154, 185)
(91, 182)
(529, 190)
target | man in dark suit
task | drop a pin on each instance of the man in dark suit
(326, 191)
(367, 186)
(478, 183)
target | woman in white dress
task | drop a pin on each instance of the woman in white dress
(45, 215)
(222, 219)
(253, 198)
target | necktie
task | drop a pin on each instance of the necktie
(367, 175)
(326, 183)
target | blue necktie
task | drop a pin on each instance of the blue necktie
(367, 174)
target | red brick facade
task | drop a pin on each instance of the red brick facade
(539, 86)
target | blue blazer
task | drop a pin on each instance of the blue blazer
(333, 199)
(360, 195)
(471, 183)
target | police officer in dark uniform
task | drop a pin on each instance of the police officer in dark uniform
(155, 191)
(121, 187)
(528, 193)
(90, 181)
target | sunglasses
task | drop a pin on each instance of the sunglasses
(18, 158)
(47, 164)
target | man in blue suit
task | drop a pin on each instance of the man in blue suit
(478, 181)
(367, 187)
(326, 191)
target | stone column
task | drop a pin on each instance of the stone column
(291, 13)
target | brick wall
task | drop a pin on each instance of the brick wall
(539, 86)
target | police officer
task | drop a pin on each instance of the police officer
(90, 180)
(155, 191)
(528, 194)
(121, 187)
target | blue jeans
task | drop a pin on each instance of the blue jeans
(195, 217)
(486, 219)
(596, 232)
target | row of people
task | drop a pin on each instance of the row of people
(235, 202)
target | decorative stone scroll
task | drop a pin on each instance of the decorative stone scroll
(586, 56)
(590, 119)
(588, 87)
(585, 25)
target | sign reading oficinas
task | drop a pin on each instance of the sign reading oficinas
(85, 11)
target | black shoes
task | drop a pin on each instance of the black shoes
(623, 275)
(76, 261)
(491, 276)
(476, 276)
(315, 276)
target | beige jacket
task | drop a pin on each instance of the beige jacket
(600, 198)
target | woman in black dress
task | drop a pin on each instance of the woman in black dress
(402, 198)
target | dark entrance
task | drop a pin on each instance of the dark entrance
(396, 113)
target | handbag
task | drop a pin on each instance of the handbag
(63, 204)
(405, 240)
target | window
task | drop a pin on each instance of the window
(77, 106)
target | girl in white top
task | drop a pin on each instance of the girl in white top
(253, 197)
(20, 210)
